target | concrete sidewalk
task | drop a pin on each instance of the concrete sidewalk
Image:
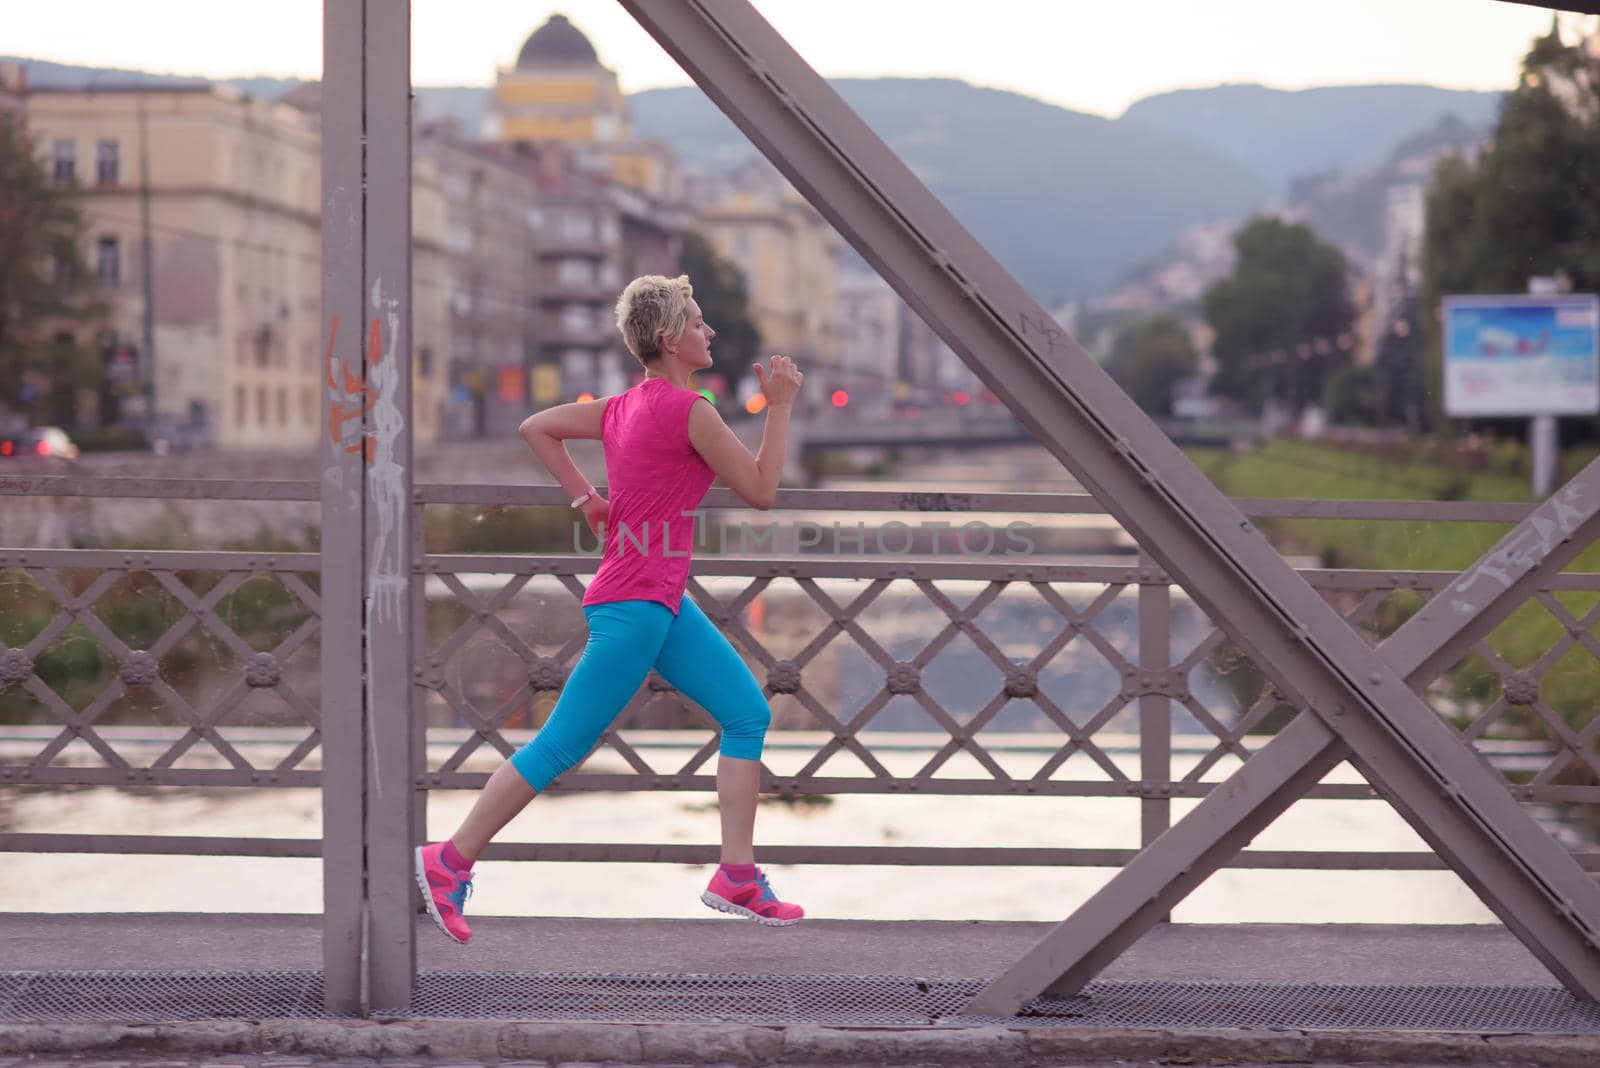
(464, 1044)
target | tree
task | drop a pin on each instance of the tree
(1401, 396)
(1148, 359)
(1353, 396)
(1278, 316)
(719, 289)
(48, 303)
(1527, 206)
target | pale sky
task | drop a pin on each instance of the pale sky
(1089, 55)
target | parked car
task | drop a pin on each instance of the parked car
(49, 442)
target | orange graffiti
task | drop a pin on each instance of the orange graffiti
(355, 398)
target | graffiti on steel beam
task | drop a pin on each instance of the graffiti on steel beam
(1553, 522)
(343, 391)
(1054, 336)
(352, 398)
(934, 502)
(388, 579)
(387, 583)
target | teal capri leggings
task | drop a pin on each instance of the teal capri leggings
(627, 638)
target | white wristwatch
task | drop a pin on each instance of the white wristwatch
(578, 502)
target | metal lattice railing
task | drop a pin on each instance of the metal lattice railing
(199, 727)
(1157, 705)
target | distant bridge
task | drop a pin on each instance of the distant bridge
(832, 432)
(995, 427)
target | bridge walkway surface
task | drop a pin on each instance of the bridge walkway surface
(214, 988)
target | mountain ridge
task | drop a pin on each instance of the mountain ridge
(1093, 198)
(1281, 134)
(1068, 201)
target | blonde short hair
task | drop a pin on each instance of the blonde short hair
(651, 309)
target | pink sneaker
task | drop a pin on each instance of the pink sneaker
(444, 891)
(754, 899)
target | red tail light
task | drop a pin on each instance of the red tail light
(43, 448)
(7, 447)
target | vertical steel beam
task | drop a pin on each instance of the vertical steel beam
(1296, 759)
(343, 772)
(419, 694)
(391, 752)
(1155, 708)
(1071, 405)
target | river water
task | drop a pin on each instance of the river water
(82, 883)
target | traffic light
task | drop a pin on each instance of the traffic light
(840, 398)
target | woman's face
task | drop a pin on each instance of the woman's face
(693, 348)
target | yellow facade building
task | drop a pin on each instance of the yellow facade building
(789, 256)
(235, 240)
(559, 93)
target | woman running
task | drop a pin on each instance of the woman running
(663, 449)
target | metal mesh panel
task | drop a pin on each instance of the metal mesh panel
(1309, 1006)
(130, 996)
(150, 997)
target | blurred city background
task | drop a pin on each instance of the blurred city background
(163, 264)
(1261, 267)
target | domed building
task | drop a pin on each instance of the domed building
(560, 96)
(607, 208)
(558, 91)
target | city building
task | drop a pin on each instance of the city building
(488, 279)
(13, 93)
(522, 242)
(790, 259)
(591, 236)
(435, 266)
(1398, 272)
(870, 338)
(559, 92)
(888, 357)
(230, 185)
(608, 207)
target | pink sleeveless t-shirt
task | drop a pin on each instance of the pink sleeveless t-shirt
(653, 476)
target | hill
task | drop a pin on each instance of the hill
(1065, 200)
(1279, 135)
(1068, 202)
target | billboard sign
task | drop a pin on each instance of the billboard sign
(1522, 355)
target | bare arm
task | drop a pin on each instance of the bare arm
(753, 478)
(546, 433)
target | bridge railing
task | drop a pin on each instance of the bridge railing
(964, 667)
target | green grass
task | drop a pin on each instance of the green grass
(1322, 472)
(1571, 685)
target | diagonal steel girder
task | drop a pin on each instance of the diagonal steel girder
(1072, 407)
(1296, 759)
